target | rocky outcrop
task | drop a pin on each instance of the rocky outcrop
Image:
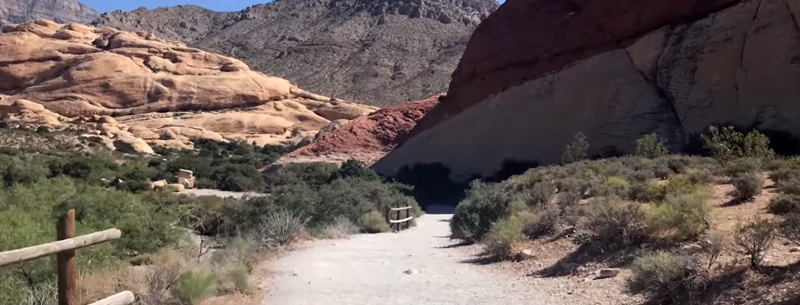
(62, 11)
(377, 52)
(157, 90)
(365, 139)
(537, 72)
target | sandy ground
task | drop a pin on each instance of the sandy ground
(371, 269)
(210, 192)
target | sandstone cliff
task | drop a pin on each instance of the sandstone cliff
(157, 90)
(536, 72)
(378, 52)
(366, 139)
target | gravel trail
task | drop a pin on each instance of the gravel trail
(369, 269)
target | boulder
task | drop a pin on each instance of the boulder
(132, 145)
(536, 72)
(175, 187)
(607, 272)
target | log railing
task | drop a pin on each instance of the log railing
(65, 248)
(397, 223)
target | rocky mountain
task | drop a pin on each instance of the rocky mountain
(62, 11)
(537, 72)
(127, 87)
(378, 52)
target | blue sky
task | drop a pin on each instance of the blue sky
(103, 6)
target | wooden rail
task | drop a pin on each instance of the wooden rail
(397, 223)
(64, 249)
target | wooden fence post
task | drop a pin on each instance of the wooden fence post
(67, 272)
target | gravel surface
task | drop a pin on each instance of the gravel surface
(218, 193)
(371, 269)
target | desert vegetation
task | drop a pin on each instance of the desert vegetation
(165, 254)
(663, 216)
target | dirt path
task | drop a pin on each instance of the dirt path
(369, 269)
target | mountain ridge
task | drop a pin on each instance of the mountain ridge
(61, 11)
(373, 52)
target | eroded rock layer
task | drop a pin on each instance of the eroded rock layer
(614, 70)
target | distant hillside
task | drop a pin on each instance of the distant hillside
(61, 11)
(373, 52)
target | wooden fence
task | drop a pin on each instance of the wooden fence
(64, 248)
(397, 223)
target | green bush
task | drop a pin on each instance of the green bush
(281, 228)
(651, 146)
(681, 216)
(473, 217)
(748, 185)
(790, 186)
(740, 166)
(240, 277)
(784, 204)
(615, 186)
(541, 223)
(540, 194)
(784, 174)
(727, 144)
(504, 237)
(373, 222)
(699, 176)
(660, 273)
(615, 222)
(577, 150)
(755, 239)
(195, 287)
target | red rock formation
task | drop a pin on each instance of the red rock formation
(367, 138)
(525, 39)
(537, 72)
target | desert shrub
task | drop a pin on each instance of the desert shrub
(727, 144)
(784, 174)
(660, 273)
(240, 277)
(784, 204)
(281, 228)
(699, 176)
(755, 239)
(236, 178)
(474, 215)
(748, 185)
(615, 186)
(615, 222)
(651, 146)
(655, 192)
(355, 169)
(19, 171)
(642, 175)
(540, 194)
(681, 216)
(312, 174)
(504, 237)
(196, 286)
(341, 227)
(373, 222)
(577, 150)
(740, 166)
(541, 223)
(790, 186)
(790, 226)
(714, 246)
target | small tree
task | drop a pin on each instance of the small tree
(651, 146)
(577, 150)
(727, 144)
(755, 239)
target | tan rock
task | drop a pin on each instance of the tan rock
(132, 145)
(175, 187)
(153, 89)
(159, 184)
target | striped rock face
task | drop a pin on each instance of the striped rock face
(537, 72)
